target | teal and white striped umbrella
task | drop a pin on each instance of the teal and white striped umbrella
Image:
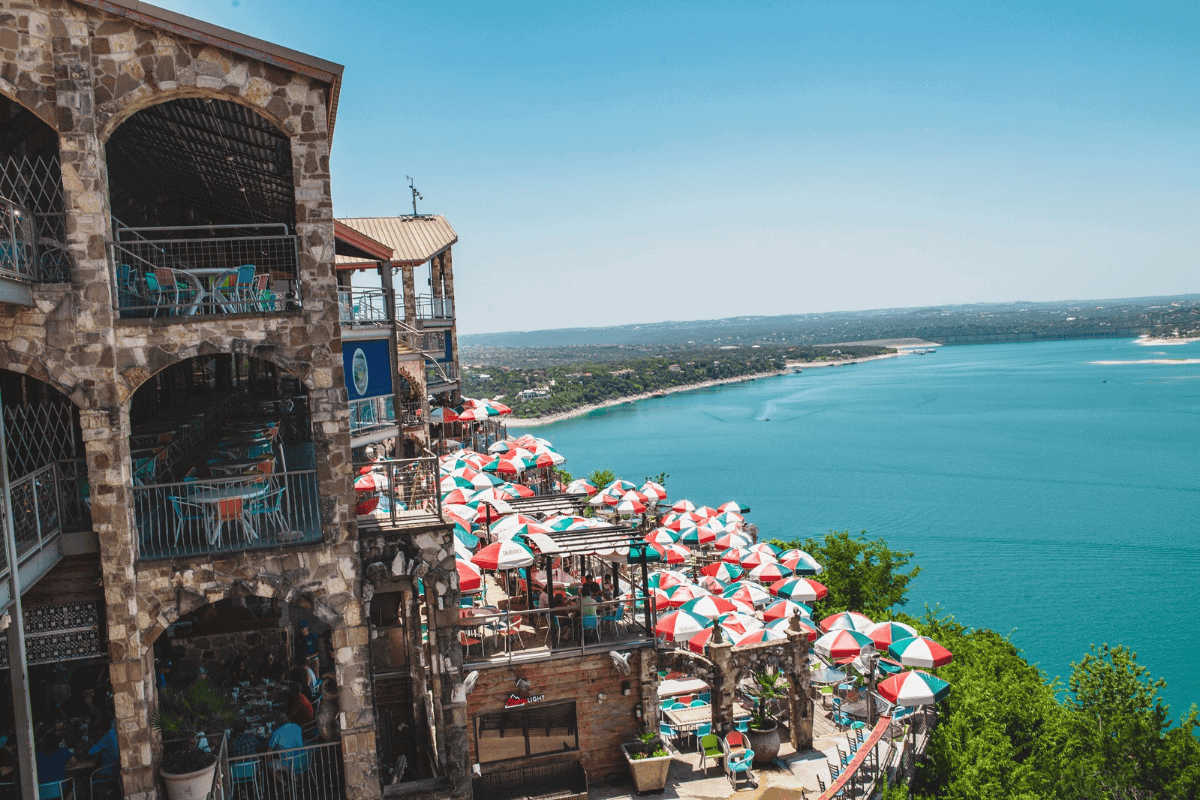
(913, 688)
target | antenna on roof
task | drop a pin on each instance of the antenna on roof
(416, 195)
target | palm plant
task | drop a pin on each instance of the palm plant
(767, 690)
(185, 713)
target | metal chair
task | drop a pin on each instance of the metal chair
(709, 747)
(55, 789)
(615, 619)
(738, 765)
(245, 773)
(186, 512)
(590, 624)
(102, 776)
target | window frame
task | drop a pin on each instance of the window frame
(523, 711)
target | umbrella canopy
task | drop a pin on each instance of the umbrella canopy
(683, 593)
(470, 578)
(740, 622)
(800, 562)
(654, 490)
(683, 505)
(672, 553)
(920, 651)
(503, 555)
(753, 559)
(548, 458)
(371, 482)
(884, 633)
(663, 536)
(722, 571)
(581, 486)
(769, 573)
(715, 585)
(913, 688)
(513, 531)
(710, 607)
(850, 620)
(706, 512)
(699, 535)
(733, 539)
(680, 625)
(450, 483)
(765, 635)
(802, 590)
(735, 507)
(666, 578)
(749, 593)
(631, 503)
(463, 512)
(766, 547)
(442, 414)
(841, 644)
(619, 487)
(734, 555)
(782, 609)
(805, 627)
(658, 598)
(515, 521)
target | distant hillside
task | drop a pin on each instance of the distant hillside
(957, 324)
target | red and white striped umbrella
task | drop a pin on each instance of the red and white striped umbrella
(805, 627)
(766, 547)
(667, 578)
(672, 553)
(503, 555)
(884, 633)
(515, 521)
(802, 590)
(710, 584)
(470, 578)
(734, 555)
(846, 620)
(663, 536)
(757, 637)
(769, 573)
(680, 625)
(456, 497)
(783, 609)
(687, 519)
(684, 593)
(741, 622)
(746, 592)
(710, 607)
(735, 507)
(754, 559)
(654, 490)
(920, 651)
(733, 539)
(548, 458)
(683, 505)
(463, 512)
(706, 511)
(913, 688)
(658, 598)
(632, 502)
(800, 562)
(581, 486)
(840, 644)
(619, 487)
(700, 535)
(722, 570)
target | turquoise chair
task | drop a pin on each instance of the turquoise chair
(55, 789)
(741, 725)
(697, 704)
(590, 624)
(245, 773)
(737, 767)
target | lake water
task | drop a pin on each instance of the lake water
(1043, 495)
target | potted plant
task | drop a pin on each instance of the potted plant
(763, 732)
(649, 762)
(184, 714)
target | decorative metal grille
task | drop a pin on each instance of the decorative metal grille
(39, 434)
(35, 184)
(59, 633)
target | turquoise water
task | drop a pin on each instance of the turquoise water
(1042, 494)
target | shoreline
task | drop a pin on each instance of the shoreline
(550, 419)
(1145, 340)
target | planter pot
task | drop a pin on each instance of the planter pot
(190, 785)
(764, 742)
(649, 774)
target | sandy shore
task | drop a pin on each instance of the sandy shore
(1172, 361)
(1151, 341)
(582, 410)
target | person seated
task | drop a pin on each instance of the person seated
(287, 735)
(308, 680)
(271, 669)
(244, 742)
(587, 602)
(299, 709)
(239, 671)
(606, 588)
(53, 761)
(109, 752)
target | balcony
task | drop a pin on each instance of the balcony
(204, 270)
(441, 376)
(435, 310)
(400, 493)
(375, 418)
(31, 251)
(227, 515)
(364, 308)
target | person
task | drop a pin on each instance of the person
(270, 669)
(85, 707)
(8, 756)
(606, 588)
(53, 761)
(108, 750)
(589, 580)
(287, 735)
(587, 602)
(239, 671)
(308, 644)
(299, 709)
(244, 742)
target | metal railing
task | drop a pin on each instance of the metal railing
(36, 511)
(401, 492)
(221, 788)
(503, 636)
(380, 412)
(213, 269)
(18, 242)
(442, 372)
(206, 517)
(363, 307)
(431, 306)
(312, 772)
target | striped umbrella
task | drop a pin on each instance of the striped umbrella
(548, 458)
(681, 594)
(706, 511)
(913, 688)
(769, 573)
(654, 490)
(700, 535)
(666, 578)
(851, 620)
(710, 584)
(884, 633)
(841, 644)
(663, 536)
(737, 508)
(722, 571)
(658, 598)
(802, 590)
(513, 531)
(920, 651)
(766, 547)
(734, 555)
(680, 625)
(729, 518)
(741, 622)
(782, 609)
(630, 504)
(733, 539)
(452, 482)
(730, 632)
(619, 487)
(503, 555)
(457, 497)
(470, 578)
(753, 559)
(746, 592)
(710, 607)
(786, 624)
(511, 490)
(800, 562)
(463, 512)
(581, 486)
(678, 522)
(756, 637)
(683, 505)
(516, 521)
(672, 553)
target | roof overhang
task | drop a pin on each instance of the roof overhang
(360, 241)
(285, 58)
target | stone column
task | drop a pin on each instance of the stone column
(800, 702)
(724, 682)
(410, 295)
(448, 277)
(648, 678)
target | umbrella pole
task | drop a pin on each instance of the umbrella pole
(549, 563)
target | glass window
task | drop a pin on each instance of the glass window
(526, 731)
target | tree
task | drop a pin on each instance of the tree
(602, 477)
(861, 574)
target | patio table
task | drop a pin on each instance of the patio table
(204, 292)
(675, 688)
(690, 718)
(212, 497)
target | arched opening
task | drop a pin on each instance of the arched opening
(203, 204)
(223, 458)
(32, 222)
(271, 662)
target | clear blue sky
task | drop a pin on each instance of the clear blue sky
(634, 162)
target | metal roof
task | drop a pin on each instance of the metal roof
(414, 240)
(207, 33)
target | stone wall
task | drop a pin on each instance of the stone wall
(603, 726)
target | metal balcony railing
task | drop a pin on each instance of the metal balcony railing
(18, 242)
(399, 492)
(442, 373)
(313, 772)
(213, 269)
(434, 307)
(226, 515)
(364, 307)
(380, 412)
(37, 512)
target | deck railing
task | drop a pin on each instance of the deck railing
(374, 413)
(312, 772)
(364, 307)
(36, 510)
(18, 242)
(443, 373)
(207, 517)
(434, 307)
(203, 270)
(399, 492)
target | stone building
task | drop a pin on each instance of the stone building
(169, 305)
